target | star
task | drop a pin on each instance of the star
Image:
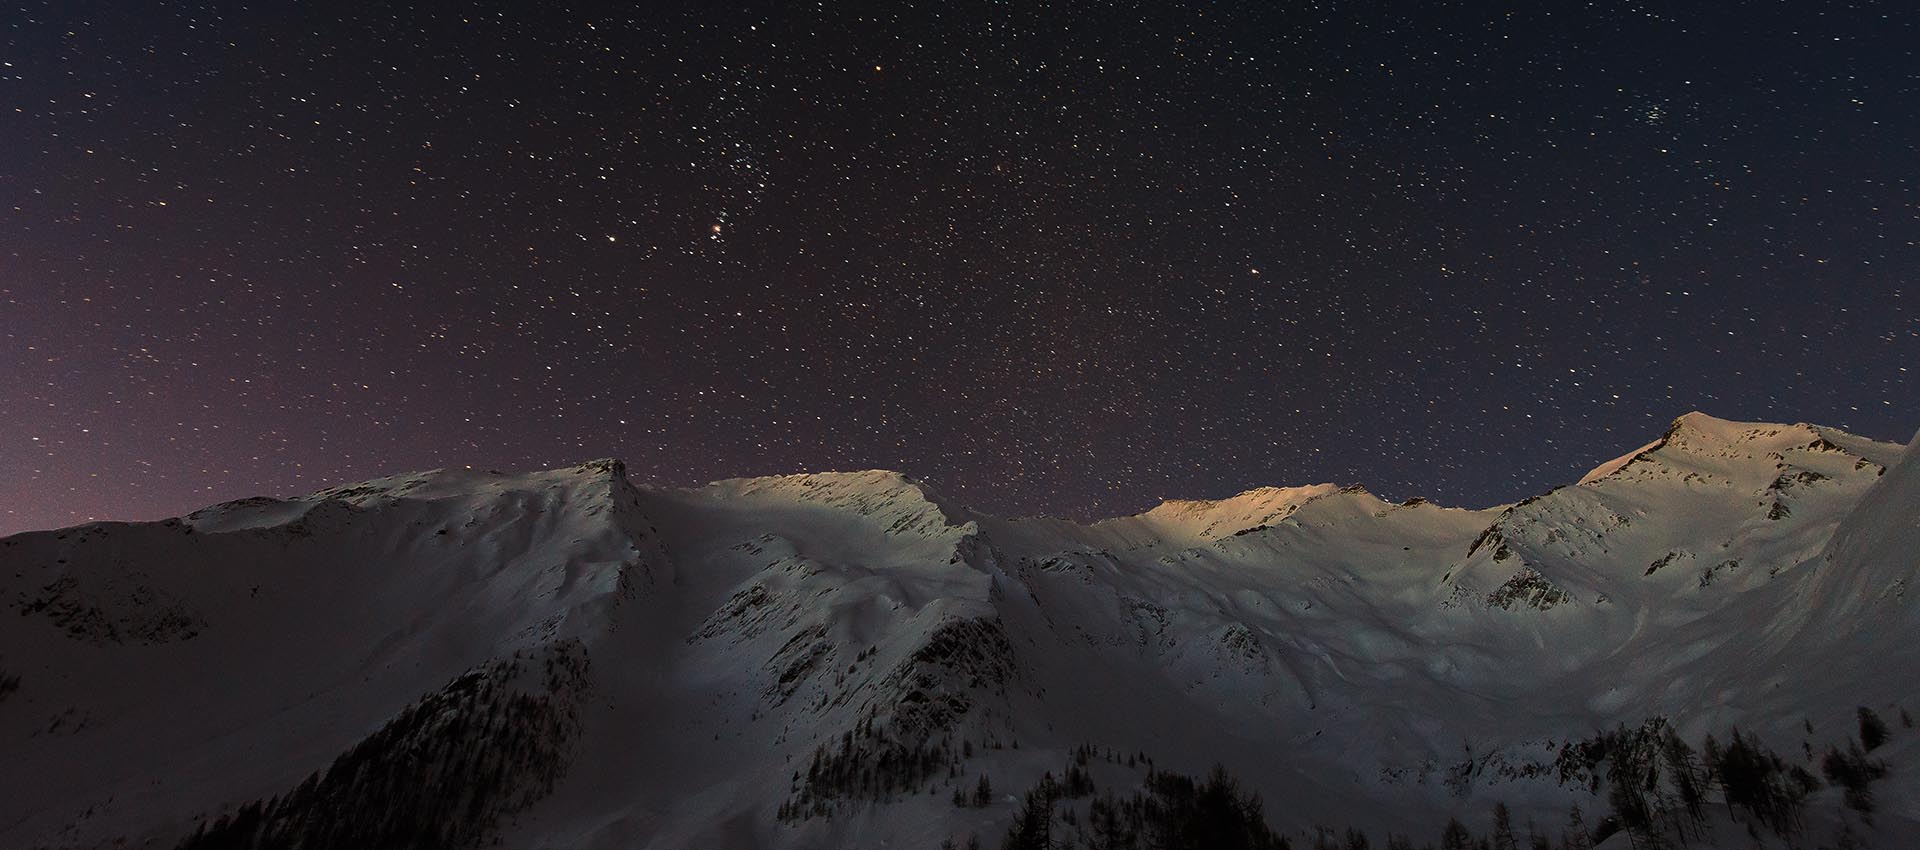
(1022, 266)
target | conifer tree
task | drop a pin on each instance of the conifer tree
(1688, 781)
(1575, 837)
(1503, 837)
(1873, 731)
(1854, 772)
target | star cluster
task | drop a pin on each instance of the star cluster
(1060, 258)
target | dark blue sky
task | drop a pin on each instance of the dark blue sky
(1055, 258)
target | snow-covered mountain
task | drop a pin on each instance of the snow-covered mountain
(570, 659)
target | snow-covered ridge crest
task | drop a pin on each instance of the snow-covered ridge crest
(1699, 438)
(604, 478)
(1712, 507)
(900, 505)
(1213, 518)
(828, 487)
(454, 483)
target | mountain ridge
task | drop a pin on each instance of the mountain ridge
(818, 659)
(1287, 497)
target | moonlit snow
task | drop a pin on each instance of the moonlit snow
(685, 653)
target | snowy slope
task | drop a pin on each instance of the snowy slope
(819, 660)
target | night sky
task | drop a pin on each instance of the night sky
(1052, 258)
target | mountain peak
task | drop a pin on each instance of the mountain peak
(1211, 518)
(1699, 437)
(908, 502)
(460, 481)
(876, 481)
(606, 465)
(1258, 498)
(1706, 427)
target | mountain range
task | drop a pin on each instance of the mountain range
(575, 659)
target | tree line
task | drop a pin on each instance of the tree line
(437, 776)
(1659, 790)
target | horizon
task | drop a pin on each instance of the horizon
(6, 531)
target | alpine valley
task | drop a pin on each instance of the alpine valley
(1712, 641)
